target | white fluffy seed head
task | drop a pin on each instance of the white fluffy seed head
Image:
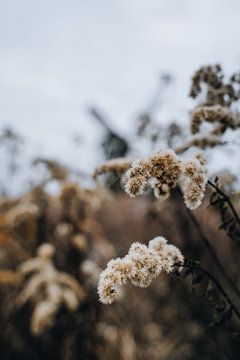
(163, 171)
(108, 291)
(157, 245)
(193, 183)
(137, 249)
(122, 267)
(139, 267)
(135, 186)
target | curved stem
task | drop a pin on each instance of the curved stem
(211, 250)
(227, 199)
(192, 265)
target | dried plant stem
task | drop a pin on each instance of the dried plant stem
(194, 266)
(212, 252)
(227, 200)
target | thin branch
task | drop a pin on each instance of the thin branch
(214, 256)
(227, 200)
(192, 265)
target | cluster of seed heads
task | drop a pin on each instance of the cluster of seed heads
(214, 109)
(165, 170)
(218, 115)
(218, 91)
(139, 267)
(47, 289)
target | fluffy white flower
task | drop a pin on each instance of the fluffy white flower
(157, 245)
(139, 267)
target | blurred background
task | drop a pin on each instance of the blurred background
(58, 59)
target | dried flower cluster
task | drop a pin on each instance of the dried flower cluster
(117, 166)
(139, 267)
(214, 109)
(164, 171)
(218, 91)
(221, 116)
(201, 142)
(193, 183)
(39, 297)
(210, 75)
(47, 289)
(66, 220)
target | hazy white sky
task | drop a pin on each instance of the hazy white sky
(57, 57)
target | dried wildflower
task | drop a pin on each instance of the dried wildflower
(193, 183)
(47, 289)
(135, 186)
(218, 91)
(215, 108)
(137, 176)
(145, 266)
(139, 267)
(118, 166)
(216, 114)
(169, 254)
(200, 141)
(164, 171)
(157, 245)
(108, 287)
(211, 75)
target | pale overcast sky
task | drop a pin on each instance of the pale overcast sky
(57, 57)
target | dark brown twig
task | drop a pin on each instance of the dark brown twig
(192, 265)
(211, 250)
(227, 200)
